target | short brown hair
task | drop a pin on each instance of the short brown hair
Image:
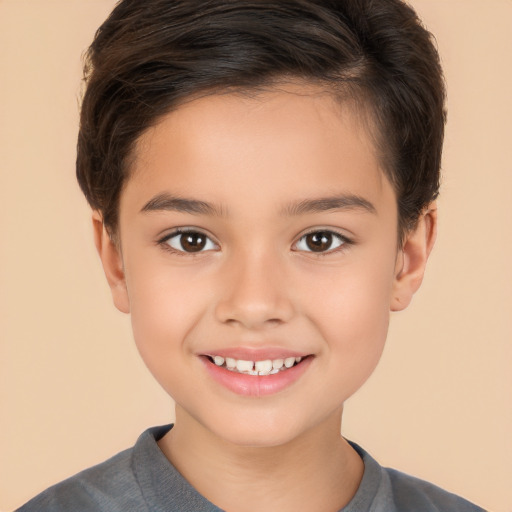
(151, 55)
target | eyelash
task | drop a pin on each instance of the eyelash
(345, 242)
(163, 242)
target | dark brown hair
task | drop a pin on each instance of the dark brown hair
(149, 56)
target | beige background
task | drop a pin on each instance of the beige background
(72, 388)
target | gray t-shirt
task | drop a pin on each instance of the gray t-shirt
(141, 479)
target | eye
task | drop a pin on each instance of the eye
(189, 241)
(321, 242)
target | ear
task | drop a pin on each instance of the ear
(112, 261)
(412, 258)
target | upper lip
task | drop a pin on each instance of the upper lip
(255, 354)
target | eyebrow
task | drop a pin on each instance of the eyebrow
(167, 202)
(325, 204)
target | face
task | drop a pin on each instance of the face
(259, 262)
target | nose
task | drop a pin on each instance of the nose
(254, 294)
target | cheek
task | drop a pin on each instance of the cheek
(355, 298)
(165, 307)
(351, 311)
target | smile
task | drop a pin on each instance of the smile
(265, 367)
(258, 377)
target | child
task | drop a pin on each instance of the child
(262, 177)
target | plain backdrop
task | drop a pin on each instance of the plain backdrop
(73, 390)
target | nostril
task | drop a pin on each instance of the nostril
(252, 322)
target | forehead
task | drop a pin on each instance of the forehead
(282, 143)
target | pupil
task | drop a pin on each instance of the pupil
(319, 242)
(193, 242)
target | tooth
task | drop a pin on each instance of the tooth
(218, 360)
(244, 366)
(263, 366)
(252, 372)
(230, 363)
(274, 371)
(289, 362)
(298, 359)
(277, 364)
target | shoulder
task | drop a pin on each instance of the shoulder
(140, 479)
(388, 490)
(110, 485)
(410, 493)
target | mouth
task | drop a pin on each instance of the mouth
(259, 377)
(261, 368)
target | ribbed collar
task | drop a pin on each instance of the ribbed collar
(165, 490)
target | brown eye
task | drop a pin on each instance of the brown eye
(190, 241)
(320, 241)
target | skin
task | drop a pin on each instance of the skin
(257, 284)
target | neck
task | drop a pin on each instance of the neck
(317, 471)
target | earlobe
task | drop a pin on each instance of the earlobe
(412, 258)
(112, 262)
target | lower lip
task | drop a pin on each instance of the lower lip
(256, 385)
